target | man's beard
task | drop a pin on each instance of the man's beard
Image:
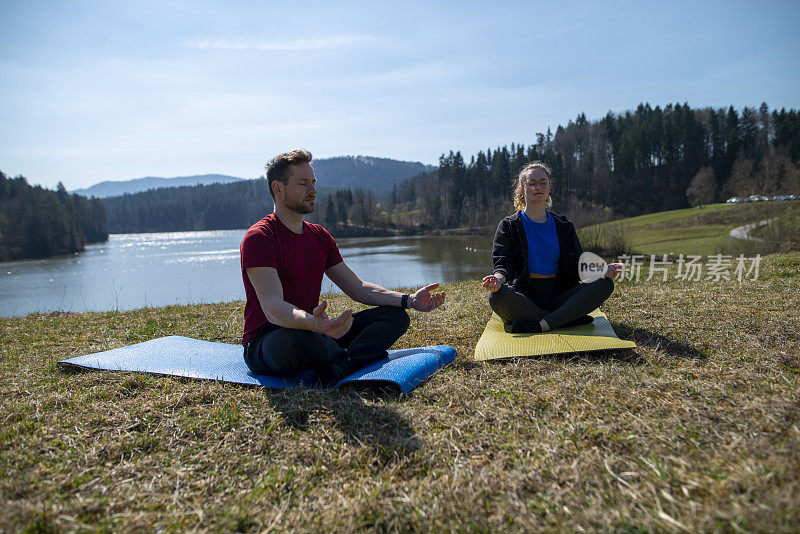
(300, 207)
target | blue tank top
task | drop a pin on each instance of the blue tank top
(543, 247)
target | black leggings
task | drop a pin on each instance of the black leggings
(287, 351)
(546, 301)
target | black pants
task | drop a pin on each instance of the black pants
(545, 300)
(287, 351)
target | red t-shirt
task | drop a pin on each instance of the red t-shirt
(300, 259)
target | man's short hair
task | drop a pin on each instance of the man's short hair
(280, 166)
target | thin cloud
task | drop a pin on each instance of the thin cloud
(324, 43)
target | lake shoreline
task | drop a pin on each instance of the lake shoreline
(466, 232)
(132, 271)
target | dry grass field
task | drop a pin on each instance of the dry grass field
(698, 429)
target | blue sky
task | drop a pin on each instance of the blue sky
(101, 90)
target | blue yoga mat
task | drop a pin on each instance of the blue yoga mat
(193, 358)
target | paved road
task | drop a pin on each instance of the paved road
(743, 232)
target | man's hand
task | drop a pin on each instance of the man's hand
(493, 281)
(423, 300)
(334, 328)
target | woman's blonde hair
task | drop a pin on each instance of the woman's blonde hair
(519, 196)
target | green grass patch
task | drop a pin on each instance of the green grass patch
(696, 429)
(695, 231)
(700, 241)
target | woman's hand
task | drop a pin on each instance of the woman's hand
(493, 281)
(614, 270)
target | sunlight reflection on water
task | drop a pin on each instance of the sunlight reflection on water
(157, 269)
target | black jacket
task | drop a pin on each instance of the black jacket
(510, 252)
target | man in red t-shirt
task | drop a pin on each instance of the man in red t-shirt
(286, 329)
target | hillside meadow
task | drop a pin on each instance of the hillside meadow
(702, 231)
(695, 429)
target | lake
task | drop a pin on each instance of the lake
(132, 271)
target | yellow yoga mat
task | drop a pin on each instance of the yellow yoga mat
(496, 343)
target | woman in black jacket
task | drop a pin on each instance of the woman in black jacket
(536, 252)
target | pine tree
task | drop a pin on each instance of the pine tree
(331, 219)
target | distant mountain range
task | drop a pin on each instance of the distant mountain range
(137, 185)
(379, 174)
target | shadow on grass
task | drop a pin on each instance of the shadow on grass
(377, 426)
(70, 369)
(640, 336)
(627, 356)
(464, 364)
(364, 413)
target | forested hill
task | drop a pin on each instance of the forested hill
(379, 174)
(200, 207)
(642, 161)
(241, 203)
(233, 206)
(37, 222)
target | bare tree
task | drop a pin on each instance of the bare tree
(703, 188)
(741, 182)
